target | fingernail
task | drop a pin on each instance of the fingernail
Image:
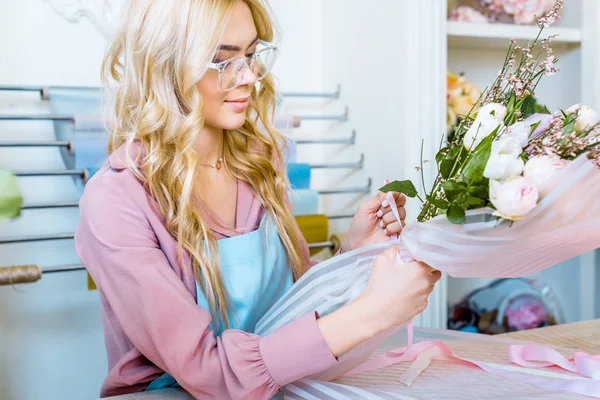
(386, 182)
(379, 214)
(385, 203)
(381, 224)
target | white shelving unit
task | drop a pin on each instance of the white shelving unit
(497, 36)
(477, 50)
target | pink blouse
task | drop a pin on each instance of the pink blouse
(151, 321)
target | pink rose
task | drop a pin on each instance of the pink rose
(513, 198)
(541, 168)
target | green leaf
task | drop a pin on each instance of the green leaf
(475, 202)
(527, 106)
(446, 168)
(510, 119)
(542, 109)
(480, 191)
(473, 171)
(441, 154)
(510, 107)
(405, 187)
(452, 190)
(534, 127)
(456, 214)
(569, 127)
(455, 152)
(439, 203)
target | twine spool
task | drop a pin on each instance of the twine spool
(20, 274)
(337, 240)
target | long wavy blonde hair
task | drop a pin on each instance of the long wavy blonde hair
(154, 62)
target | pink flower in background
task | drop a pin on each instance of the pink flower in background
(468, 14)
(522, 11)
(528, 315)
(496, 6)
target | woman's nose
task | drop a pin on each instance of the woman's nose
(249, 78)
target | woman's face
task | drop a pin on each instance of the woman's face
(227, 109)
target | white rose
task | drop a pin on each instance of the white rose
(496, 110)
(540, 168)
(480, 129)
(514, 198)
(505, 161)
(586, 117)
(520, 131)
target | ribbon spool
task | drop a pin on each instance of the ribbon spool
(337, 239)
(20, 274)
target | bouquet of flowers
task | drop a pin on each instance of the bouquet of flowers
(512, 179)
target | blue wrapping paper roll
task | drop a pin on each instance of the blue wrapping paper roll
(289, 151)
(304, 202)
(90, 152)
(299, 175)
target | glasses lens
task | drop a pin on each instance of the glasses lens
(263, 62)
(233, 73)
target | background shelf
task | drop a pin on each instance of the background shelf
(497, 36)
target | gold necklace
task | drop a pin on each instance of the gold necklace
(216, 165)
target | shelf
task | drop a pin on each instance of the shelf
(497, 36)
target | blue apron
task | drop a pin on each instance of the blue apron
(256, 274)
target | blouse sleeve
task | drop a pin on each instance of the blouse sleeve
(118, 246)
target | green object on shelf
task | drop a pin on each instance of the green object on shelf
(11, 199)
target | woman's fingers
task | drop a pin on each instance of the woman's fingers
(389, 217)
(393, 229)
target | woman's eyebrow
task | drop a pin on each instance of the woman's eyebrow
(230, 47)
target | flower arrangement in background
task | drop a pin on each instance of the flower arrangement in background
(461, 98)
(522, 12)
(467, 14)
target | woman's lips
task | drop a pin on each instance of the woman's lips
(238, 105)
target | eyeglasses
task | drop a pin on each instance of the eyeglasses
(231, 72)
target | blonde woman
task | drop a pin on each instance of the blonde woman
(187, 230)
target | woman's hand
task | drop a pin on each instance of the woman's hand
(374, 222)
(398, 292)
(394, 295)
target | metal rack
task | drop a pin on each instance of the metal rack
(341, 165)
(327, 117)
(349, 140)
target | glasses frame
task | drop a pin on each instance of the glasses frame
(249, 63)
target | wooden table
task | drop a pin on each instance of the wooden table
(584, 336)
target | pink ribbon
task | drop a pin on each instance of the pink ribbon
(587, 367)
